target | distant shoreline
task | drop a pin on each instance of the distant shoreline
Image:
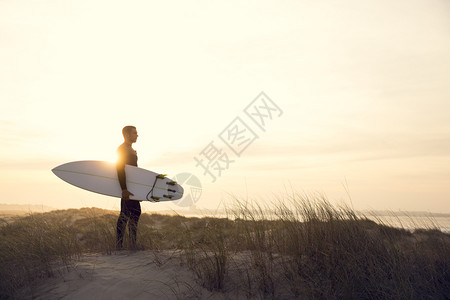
(34, 208)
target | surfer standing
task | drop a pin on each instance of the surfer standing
(130, 210)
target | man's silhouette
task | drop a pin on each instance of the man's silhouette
(130, 210)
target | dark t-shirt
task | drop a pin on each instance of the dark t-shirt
(126, 156)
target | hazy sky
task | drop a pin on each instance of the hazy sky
(363, 87)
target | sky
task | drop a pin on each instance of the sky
(356, 98)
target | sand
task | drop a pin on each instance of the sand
(124, 275)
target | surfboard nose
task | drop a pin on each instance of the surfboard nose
(56, 169)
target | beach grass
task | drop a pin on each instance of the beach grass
(300, 248)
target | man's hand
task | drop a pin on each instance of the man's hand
(126, 195)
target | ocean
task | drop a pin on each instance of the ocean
(414, 222)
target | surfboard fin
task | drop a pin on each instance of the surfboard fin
(161, 176)
(168, 196)
(156, 199)
(172, 182)
(173, 191)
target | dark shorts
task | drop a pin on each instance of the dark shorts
(130, 208)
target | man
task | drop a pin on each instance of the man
(130, 210)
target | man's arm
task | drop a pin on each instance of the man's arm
(120, 167)
(121, 175)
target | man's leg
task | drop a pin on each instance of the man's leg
(135, 213)
(121, 223)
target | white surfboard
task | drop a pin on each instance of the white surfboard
(101, 177)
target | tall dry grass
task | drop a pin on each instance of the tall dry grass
(28, 248)
(305, 248)
(310, 249)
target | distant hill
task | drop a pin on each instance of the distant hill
(24, 208)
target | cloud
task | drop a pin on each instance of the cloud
(12, 133)
(321, 151)
(317, 153)
(172, 158)
(28, 164)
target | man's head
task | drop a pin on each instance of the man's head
(130, 134)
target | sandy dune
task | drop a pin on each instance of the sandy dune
(124, 275)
